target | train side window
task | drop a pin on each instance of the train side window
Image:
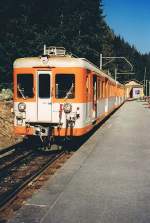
(44, 86)
(98, 89)
(87, 84)
(25, 86)
(65, 86)
(103, 89)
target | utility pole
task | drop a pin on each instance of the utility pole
(111, 59)
(115, 74)
(101, 61)
(146, 88)
(145, 80)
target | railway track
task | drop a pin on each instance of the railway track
(11, 150)
(18, 171)
(6, 152)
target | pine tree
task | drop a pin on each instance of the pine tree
(79, 26)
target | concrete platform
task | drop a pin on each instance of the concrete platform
(106, 181)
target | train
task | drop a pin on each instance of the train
(58, 95)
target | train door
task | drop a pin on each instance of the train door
(94, 97)
(106, 87)
(44, 104)
(87, 97)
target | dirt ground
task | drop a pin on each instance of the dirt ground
(7, 137)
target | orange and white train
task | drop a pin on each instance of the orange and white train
(60, 95)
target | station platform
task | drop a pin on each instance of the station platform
(106, 181)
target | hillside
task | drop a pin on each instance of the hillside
(25, 26)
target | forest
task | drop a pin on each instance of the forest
(78, 25)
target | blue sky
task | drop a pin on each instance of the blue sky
(131, 20)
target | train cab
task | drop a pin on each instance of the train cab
(60, 95)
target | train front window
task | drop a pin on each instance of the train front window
(65, 85)
(25, 86)
(44, 86)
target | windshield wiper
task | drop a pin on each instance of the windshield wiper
(70, 91)
(21, 92)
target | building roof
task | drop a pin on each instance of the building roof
(134, 83)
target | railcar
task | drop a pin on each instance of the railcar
(59, 95)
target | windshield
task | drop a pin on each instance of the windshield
(25, 86)
(65, 86)
(44, 86)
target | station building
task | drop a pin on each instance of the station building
(134, 89)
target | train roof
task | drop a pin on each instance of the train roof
(59, 61)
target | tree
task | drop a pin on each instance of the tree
(79, 26)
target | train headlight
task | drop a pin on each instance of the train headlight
(21, 107)
(67, 108)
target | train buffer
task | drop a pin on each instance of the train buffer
(106, 180)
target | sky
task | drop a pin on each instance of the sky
(131, 20)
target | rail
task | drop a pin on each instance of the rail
(23, 170)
